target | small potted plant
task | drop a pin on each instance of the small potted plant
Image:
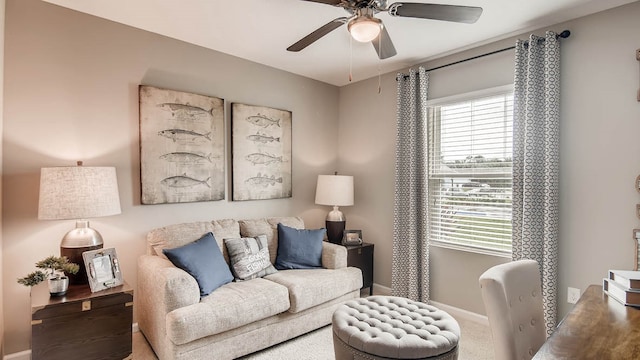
(55, 269)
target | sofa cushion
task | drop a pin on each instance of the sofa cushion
(176, 235)
(203, 260)
(308, 288)
(299, 248)
(268, 227)
(225, 228)
(249, 257)
(229, 307)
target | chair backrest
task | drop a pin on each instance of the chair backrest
(512, 295)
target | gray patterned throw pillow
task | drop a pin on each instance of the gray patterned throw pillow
(249, 257)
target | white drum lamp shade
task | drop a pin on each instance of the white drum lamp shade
(78, 193)
(335, 190)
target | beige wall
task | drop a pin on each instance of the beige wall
(599, 155)
(71, 94)
(2, 5)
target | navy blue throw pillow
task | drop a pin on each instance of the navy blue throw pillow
(203, 260)
(299, 248)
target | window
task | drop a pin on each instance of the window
(470, 168)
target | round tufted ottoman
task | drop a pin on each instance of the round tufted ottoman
(388, 327)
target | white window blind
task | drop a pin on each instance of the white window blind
(470, 168)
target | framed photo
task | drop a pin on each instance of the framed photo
(103, 269)
(352, 237)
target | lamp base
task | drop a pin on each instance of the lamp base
(74, 243)
(335, 230)
(75, 256)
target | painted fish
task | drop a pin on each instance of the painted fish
(263, 121)
(263, 158)
(185, 157)
(185, 108)
(183, 180)
(263, 180)
(181, 134)
(262, 138)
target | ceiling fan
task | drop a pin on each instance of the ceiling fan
(365, 27)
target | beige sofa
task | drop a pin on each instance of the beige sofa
(240, 317)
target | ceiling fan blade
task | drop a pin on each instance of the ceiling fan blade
(329, 2)
(456, 13)
(314, 36)
(383, 44)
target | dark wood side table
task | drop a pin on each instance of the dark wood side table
(361, 256)
(81, 324)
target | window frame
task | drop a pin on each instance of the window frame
(468, 96)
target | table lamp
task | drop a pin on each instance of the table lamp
(79, 193)
(335, 190)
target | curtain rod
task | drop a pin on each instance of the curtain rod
(565, 34)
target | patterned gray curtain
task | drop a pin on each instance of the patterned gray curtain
(536, 127)
(410, 269)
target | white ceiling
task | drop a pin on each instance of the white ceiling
(261, 30)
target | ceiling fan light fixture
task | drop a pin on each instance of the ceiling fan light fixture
(364, 28)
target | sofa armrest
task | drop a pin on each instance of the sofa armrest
(168, 286)
(334, 256)
(162, 288)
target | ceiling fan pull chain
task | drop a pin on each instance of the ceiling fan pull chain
(379, 64)
(350, 59)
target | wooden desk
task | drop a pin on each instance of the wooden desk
(596, 328)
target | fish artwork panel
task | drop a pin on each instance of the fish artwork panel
(263, 158)
(183, 181)
(184, 135)
(261, 152)
(262, 120)
(263, 180)
(181, 146)
(186, 157)
(187, 112)
(262, 138)
(186, 109)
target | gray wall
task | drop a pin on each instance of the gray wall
(599, 155)
(72, 94)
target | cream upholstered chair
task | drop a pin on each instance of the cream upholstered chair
(512, 298)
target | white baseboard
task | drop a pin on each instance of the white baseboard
(461, 313)
(22, 355)
(452, 310)
(381, 290)
(26, 355)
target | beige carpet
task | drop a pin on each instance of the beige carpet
(475, 344)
